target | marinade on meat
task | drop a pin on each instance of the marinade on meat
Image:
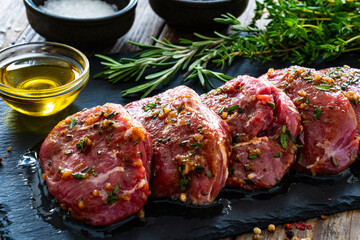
(96, 164)
(264, 123)
(328, 119)
(191, 145)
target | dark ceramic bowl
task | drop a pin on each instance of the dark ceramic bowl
(196, 15)
(85, 32)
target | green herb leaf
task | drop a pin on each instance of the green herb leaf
(77, 176)
(221, 110)
(252, 156)
(196, 144)
(334, 162)
(323, 87)
(283, 140)
(271, 105)
(232, 108)
(317, 113)
(72, 123)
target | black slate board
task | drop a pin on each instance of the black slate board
(27, 213)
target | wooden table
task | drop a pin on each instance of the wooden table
(14, 28)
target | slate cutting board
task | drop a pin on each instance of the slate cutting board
(27, 212)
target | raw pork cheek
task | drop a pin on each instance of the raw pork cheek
(96, 164)
(191, 145)
(348, 79)
(256, 112)
(328, 119)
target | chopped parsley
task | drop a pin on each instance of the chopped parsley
(112, 114)
(334, 162)
(149, 106)
(317, 113)
(112, 197)
(221, 110)
(77, 176)
(271, 105)
(179, 109)
(252, 156)
(232, 108)
(276, 155)
(323, 87)
(82, 144)
(197, 144)
(73, 123)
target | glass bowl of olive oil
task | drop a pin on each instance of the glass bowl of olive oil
(41, 78)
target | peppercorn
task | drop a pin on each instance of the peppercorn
(257, 230)
(271, 228)
(183, 197)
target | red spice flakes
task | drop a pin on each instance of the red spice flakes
(288, 226)
(329, 199)
(323, 217)
(301, 226)
(309, 227)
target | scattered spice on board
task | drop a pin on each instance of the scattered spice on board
(271, 228)
(9, 148)
(301, 226)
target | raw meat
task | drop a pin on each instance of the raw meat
(96, 164)
(348, 80)
(263, 121)
(329, 122)
(191, 145)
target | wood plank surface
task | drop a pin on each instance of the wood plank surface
(14, 28)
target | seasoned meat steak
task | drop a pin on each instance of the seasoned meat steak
(191, 145)
(329, 122)
(96, 164)
(263, 121)
(348, 80)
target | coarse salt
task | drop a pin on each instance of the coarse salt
(79, 8)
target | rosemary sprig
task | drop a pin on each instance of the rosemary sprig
(297, 31)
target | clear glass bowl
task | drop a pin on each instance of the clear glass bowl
(43, 57)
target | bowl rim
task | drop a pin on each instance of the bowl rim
(201, 2)
(131, 5)
(52, 92)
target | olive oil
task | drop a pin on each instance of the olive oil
(38, 73)
(38, 84)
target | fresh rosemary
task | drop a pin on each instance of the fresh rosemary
(297, 31)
